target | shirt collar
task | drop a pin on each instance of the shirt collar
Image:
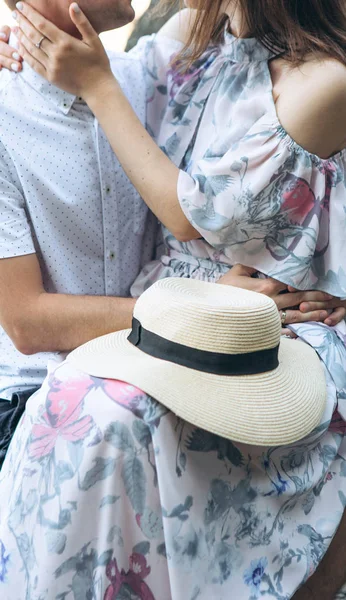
(63, 101)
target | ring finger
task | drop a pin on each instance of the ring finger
(31, 33)
(37, 53)
(295, 316)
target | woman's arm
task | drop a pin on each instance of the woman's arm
(154, 176)
(89, 75)
(313, 306)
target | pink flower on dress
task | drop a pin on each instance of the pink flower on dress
(120, 392)
(179, 77)
(64, 405)
(299, 199)
(337, 424)
(133, 578)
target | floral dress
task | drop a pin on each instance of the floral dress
(105, 494)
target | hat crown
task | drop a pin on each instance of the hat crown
(210, 317)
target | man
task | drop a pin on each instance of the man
(74, 233)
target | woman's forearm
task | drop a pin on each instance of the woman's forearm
(148, 168)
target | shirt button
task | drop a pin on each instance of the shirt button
(108, 189)
(112, 255)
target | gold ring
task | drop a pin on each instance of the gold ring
(283, 317)
(38, 45)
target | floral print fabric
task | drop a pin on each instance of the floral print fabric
(107, 495)
(255, 195)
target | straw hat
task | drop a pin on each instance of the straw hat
(214, 356)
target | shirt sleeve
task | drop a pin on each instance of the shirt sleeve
(156, 53)
(15, 232)
(269, 204)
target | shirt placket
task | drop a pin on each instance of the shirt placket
(111, 236)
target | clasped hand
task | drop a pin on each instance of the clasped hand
(313, 306)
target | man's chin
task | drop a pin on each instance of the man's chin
(114, 20)
(125, 18)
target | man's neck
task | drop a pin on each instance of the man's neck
(56, 12)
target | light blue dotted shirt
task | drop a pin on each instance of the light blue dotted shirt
(64, 196)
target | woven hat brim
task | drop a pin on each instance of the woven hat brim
(270, 409)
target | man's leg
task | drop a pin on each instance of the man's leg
(10, 414)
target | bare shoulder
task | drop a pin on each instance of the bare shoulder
(178, 27)
(311, 103)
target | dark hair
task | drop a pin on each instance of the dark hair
(298, 27)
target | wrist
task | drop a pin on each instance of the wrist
(100, 90)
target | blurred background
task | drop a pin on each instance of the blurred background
(125, 37)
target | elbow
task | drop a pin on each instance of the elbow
(23, 339)
(186, 233)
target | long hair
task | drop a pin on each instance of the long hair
(297, 27)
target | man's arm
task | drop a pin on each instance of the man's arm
(40, 322)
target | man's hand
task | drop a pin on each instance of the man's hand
(9, 56)
(335, 306)
(317, 306)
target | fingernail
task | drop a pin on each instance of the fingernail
(75, 7)
(329, 322)
(16, 56)
(3, 36)
(14, 15)
(15, 67)
(20, 5)
(323, 315)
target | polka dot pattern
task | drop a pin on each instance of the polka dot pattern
(64, 196)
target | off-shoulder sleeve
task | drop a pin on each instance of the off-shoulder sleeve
(269, 204)
(156, 53)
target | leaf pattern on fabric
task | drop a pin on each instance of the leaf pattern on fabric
(103, 468)
(106, 494)
(134, 479)
(255, 196)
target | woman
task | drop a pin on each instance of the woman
(204, 518)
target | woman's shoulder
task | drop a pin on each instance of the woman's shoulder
(179, 26)
(311, 103)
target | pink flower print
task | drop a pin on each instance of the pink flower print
(299, 199)
(178, 77)
(124, 394)
(138, 564)
(337, 424)
(121, 392)
(116, 579)
(133, 578)
(64, 405)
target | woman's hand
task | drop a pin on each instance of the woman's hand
(77, 66)
(9, 56)
(82, 68)
(335, 306)
(317, 306)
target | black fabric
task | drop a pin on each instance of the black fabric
(10, 414)
(251, 363)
